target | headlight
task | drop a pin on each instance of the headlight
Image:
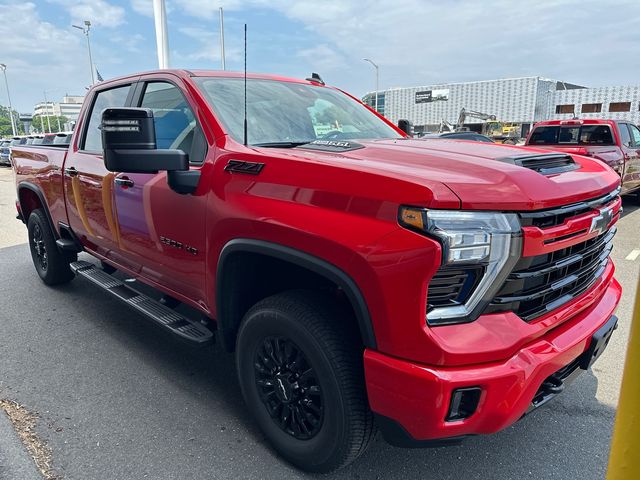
(487, 239)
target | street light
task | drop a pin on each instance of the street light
(377, 78)
(85, 30)
(13, 125)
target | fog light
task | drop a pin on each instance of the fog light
(464, 402)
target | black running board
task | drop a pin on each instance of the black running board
(150, 308)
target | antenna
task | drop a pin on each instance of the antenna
(245, 85)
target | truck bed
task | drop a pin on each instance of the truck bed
(41, 166)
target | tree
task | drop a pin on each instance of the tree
(39, 123)
(5, 123)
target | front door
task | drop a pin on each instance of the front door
(160, 230)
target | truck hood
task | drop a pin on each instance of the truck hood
(474, 171)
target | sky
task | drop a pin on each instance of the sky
(414, 42)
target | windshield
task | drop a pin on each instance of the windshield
(289, 113)
(572, 135)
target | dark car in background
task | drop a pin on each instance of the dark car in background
(5, 152)
(473, 136)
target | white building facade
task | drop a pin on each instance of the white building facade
(615, 103)
(69, 107)
(521, 101)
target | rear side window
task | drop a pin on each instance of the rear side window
(115, 97)
(572, 135)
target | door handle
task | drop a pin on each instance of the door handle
(124, 182)
(71, 171)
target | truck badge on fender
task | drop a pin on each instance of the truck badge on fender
(178, 245)
(239, 166)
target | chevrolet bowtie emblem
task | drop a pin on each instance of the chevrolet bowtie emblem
(600, 222)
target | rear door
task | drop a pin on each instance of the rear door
(632, 158)
(88, 184)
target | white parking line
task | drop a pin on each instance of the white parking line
(633, 255)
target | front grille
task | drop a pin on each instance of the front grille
(557, 216)
(452, 286)
(542, 283)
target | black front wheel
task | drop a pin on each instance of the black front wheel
(299, 361)
(51, 264)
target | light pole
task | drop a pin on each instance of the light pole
(85, 30)
(377, 78)
(162, 35)
(222, 38)
(13, 124)
(46, 109)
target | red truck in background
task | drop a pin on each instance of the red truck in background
(365, 280)
(614, 142)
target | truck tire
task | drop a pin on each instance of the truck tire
(51, 264)
(299, 362)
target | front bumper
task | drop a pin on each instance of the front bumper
(415, 398)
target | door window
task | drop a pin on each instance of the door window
(175, 124)
(625, 138)
(115, 97)
(635, 133)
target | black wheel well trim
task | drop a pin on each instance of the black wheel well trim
(35, 189)
(304, 260)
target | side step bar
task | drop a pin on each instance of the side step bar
(150, 308)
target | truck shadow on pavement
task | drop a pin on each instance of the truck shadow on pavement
(119, 398)
(630, 203)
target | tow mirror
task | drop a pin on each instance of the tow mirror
(406, 126)
(129, 146)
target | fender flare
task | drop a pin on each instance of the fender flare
(301, 259)
(44, 205)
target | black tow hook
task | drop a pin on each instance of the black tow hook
(552, 385)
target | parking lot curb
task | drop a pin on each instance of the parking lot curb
(15, 461)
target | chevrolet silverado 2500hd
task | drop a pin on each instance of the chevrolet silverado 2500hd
(614, 142)
(365, 280)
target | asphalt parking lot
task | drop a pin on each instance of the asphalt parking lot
(116, 398)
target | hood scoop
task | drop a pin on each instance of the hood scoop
(545, 164)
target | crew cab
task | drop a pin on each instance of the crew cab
(363, 279)
(614, 142)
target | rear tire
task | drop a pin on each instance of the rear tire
(51, 264)
(299, 362)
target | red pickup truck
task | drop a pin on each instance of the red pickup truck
(614, 142)
(365, 280)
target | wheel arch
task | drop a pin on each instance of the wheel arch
(229, 307)
(30, 197)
